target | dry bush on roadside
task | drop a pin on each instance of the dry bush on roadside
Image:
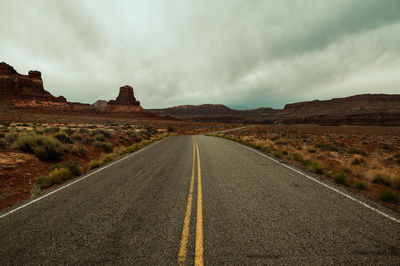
(108, 158)
(44, 147)
(70, 165)
(11, 137)
(94, 164)
(106, 146)
(341, 178)
(383, 176)
(389, 195)
(57, 176)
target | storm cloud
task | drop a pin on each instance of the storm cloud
(243, 54)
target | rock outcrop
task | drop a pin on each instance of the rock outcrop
(99, 104)
(26, 90)
(125, 102)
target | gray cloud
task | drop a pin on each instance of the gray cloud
(239, 53)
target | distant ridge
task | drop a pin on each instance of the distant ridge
(364, 109)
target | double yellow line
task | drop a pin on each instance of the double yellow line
(199, 220)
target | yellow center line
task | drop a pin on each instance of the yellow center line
(199, 219)
(199, 223)
(186, 223)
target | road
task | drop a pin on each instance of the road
(158, 207)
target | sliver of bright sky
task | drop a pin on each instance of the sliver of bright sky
(244, 54)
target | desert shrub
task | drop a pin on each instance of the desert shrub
(44, 147)
(108, 158)
(70, 165)
(384, 146)
(341, 178)
(285, 153)
(11, 137)
(69, 131)
(297, 157)
(132, 148)
(76, 137)
(280, 142)
(99, 137)
(277, 154)
(83, 130)
(361, 185)
(171, 129)
(130, 133)
(138, 138)
(150, 129)
(57, 176)
(358, 160)
(264, 149)
(358, 151)
(78, 150)
(382, 178)
(326, 147)
(388, 195)
(123, 138)
(347, 170)
(94, 164)
(51, 130)
(63, 138)
(313, 166)
(4, 129)
(275, 137)
(106, 133)
(2, 135)
(106, 146)
(36, 190)
(3, 143)
(87, 141)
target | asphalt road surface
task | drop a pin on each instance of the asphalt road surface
(158, 206)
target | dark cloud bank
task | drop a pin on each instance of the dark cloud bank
(239, 53)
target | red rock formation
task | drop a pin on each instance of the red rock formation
(125, 102)
(100, 104)
(125, 97)
(26, 90)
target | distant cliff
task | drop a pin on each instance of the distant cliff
(365, 109)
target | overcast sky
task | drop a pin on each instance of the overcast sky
(239, 53)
